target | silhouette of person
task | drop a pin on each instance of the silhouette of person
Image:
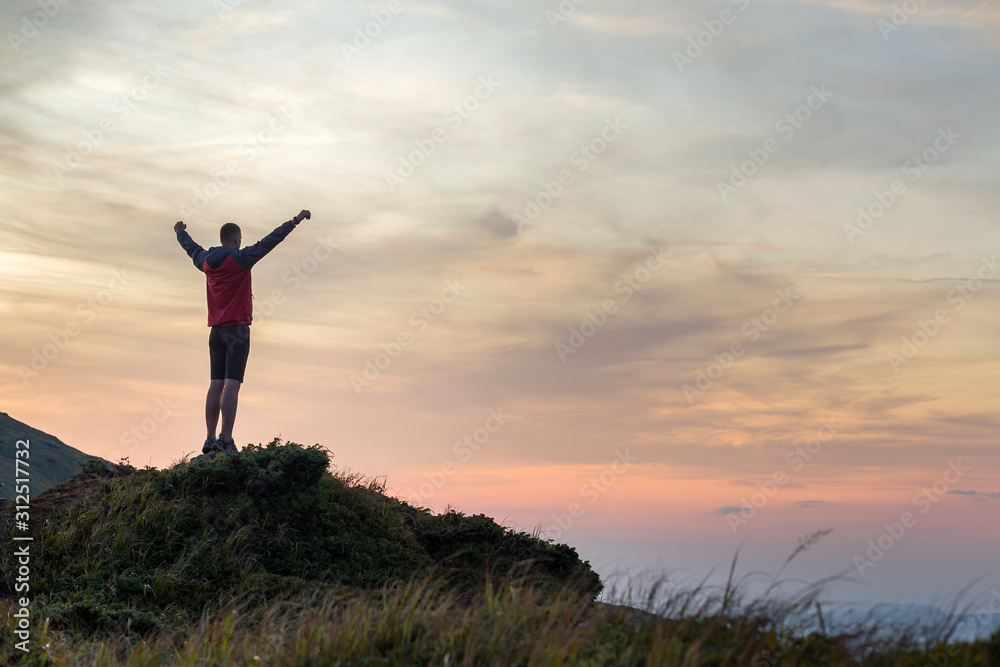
(230, 313)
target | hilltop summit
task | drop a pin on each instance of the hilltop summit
(122, 548)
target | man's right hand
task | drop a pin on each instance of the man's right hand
(303, 215)
(179, 227)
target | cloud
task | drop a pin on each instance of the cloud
(629, 25)
(965, 13)
(498, 224)
(825, 357)
(809, 504)
(976, 495)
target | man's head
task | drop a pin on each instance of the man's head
(230, 235)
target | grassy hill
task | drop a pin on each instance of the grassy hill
(51, 460)
(270, 557)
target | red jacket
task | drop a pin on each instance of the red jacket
(227, 273)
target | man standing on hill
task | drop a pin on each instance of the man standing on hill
(230, 312)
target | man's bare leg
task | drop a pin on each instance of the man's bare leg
(213, 404)
(230, 396)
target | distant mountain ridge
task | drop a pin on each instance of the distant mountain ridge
(979, 622)
(51, 461)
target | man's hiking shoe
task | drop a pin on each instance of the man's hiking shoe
(211, 445)
(224, 444)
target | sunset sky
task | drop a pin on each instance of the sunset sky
(630, 261)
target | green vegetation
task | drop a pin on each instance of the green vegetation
(270, 558)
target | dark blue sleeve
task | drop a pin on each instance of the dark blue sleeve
(252, 254)
(194, 251)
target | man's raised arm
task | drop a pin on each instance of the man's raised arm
(194, 251)
(254, 253)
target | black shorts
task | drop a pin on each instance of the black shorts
(228, 349)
